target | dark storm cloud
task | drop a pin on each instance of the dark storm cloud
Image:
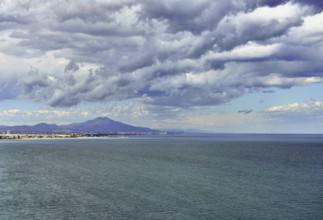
(166, 52)
(273, 3)
(193, 16)
(317, 3)
(71, 66)
(33, 81)
(14, 19)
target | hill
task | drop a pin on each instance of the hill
(99, 125)
(104, 125)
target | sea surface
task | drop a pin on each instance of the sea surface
(163, 177)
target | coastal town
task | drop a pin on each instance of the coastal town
(10, 135)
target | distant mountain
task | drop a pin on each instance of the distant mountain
(98, 125)
(105, 125)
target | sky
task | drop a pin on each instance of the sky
(214, 65)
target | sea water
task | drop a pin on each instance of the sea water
(163, 177)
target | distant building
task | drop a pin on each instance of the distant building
(8, 132)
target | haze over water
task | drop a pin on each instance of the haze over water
(157, 177)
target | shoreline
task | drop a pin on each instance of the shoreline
(41, 136)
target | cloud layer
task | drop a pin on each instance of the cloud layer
(163, 52)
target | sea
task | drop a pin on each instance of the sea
(222, 176)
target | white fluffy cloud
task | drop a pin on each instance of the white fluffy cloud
(312, 106)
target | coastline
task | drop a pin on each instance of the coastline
(24, 136)
(44, 136)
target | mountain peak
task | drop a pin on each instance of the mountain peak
(101, 119)
(42, 124)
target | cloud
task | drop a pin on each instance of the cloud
(33, 81)
(8, 90)
(245, 111)
(71, 67)
(203, 54)
(15, 116)
(299, 117)
(311, 106)
(318, 4)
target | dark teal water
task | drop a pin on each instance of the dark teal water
(202, 177)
